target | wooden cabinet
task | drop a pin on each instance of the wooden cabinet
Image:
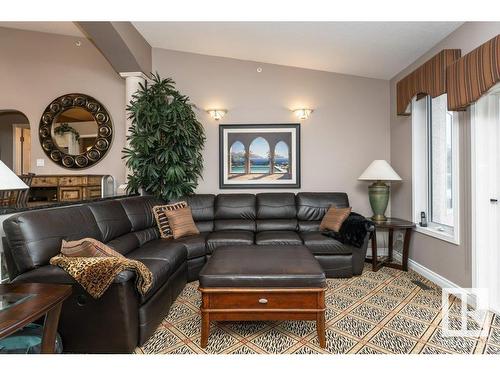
(44, 181)
(70, 194)
(73, 181)
(92, 192)
(66, 188)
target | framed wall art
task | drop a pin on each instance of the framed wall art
(259, 156)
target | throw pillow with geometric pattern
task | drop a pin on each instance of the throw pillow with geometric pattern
(162, 219)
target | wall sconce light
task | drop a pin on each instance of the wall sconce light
(217, 114)
(302, 113)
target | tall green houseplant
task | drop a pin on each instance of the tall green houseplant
(165, 141)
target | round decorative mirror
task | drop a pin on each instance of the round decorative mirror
(75, 131)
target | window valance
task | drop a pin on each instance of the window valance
(428, 79)
(469, 77)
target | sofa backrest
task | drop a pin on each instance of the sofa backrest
(311, 207)
(203, 210)
(33, 237)
(235, 212)
(140, 213)
(276, 211)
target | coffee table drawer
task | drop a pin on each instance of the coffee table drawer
(263, 300)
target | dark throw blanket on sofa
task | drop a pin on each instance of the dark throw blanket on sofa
(353, 230)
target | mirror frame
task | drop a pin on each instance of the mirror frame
(104, 131)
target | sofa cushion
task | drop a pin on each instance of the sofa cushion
(195, 245)
(313, 206)
(174, 253)
(126, 243)
(111, 219)
(276, 206)
(318, 243)
(234, 212)
(202, 206)
(140, 211)
(235, 206)
(234, 224)
(230, 237)
(203, 209)
(161, 270)
(276, 224)
(282, 237)
(308, 225)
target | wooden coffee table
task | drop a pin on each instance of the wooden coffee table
(30, 302)
(249, 283)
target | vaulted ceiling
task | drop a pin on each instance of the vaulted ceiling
(368, 49)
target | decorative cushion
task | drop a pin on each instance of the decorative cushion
(334, 218)
(87, 247)
(162, 220)
(181, 222)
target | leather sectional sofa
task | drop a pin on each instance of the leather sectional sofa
(122, 319)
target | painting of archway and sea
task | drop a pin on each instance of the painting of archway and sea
(259, 156)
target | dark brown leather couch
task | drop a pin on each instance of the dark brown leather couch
(122, 319)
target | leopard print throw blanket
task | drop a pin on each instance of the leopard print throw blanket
(95, 274)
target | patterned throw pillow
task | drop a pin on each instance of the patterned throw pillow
(88, 247)
(181, 222)
(334, 218)
(162, 220)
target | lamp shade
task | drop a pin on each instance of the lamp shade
(9, 180)
(379, 170)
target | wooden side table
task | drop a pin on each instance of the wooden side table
(391, 224)
(24, 303)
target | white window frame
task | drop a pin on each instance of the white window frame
(420, 174)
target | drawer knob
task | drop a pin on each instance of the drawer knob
(263, 301)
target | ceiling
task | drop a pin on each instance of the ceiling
(368, 49)
(62, 28)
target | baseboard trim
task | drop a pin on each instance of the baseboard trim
(439, 280)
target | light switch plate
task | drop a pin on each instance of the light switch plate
(40, 162)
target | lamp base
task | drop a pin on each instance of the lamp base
(379, 218)
(378, 193)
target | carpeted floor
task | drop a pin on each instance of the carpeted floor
(378, 312)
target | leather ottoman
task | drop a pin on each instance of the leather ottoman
(247, 283)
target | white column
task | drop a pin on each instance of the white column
(132, 81)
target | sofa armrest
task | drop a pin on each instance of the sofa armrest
(55, 275)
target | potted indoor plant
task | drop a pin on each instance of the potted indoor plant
(165, 141)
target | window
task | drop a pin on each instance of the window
(435, 167)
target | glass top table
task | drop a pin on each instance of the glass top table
(8, 300)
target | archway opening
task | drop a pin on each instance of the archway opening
(281, 158)
(237, 158)
(15, 141)
(259, 154)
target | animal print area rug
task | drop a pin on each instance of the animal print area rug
(375, 313)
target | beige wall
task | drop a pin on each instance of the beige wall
(450, 261)
(35, 68)
(347, 130)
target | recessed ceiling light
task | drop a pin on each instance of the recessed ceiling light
(259, 69)
(78, 43)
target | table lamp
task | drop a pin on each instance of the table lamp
(9, 180)
(378, 192)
